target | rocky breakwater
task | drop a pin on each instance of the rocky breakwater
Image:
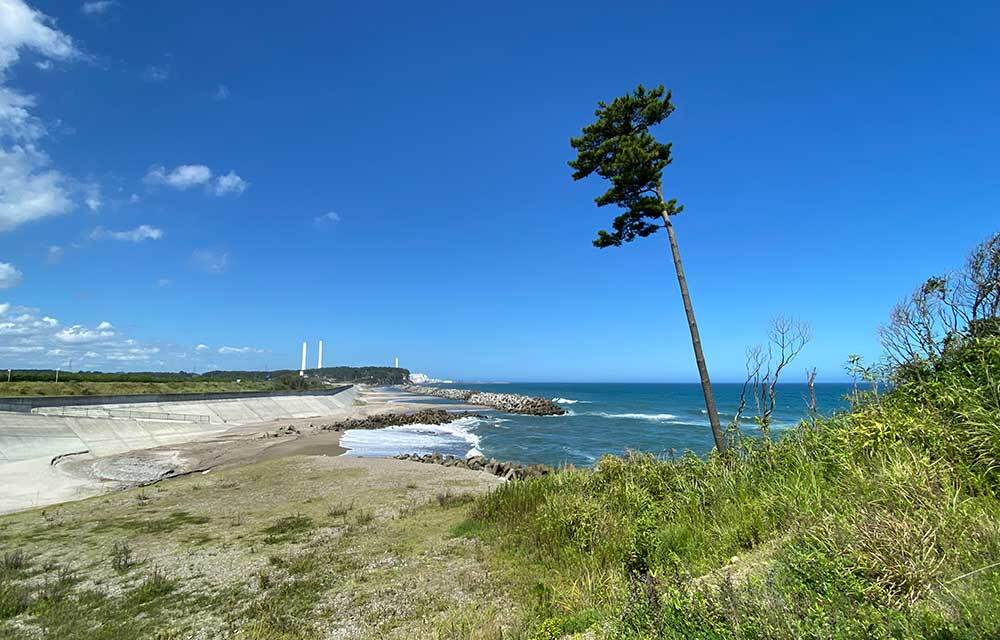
(382, 420)
(505, 470)
(508, 402)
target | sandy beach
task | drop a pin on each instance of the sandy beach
(44, 481)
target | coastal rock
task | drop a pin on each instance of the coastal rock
(382, 420)
(506, 470)
(507, 402)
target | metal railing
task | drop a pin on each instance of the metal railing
(108, 412)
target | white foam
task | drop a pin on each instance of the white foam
(652, 417)
(569, 412)
(569, 401)
(412, 438)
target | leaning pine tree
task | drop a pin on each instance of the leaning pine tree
(619, 148)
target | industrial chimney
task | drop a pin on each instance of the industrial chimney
(302, 371)
(319, 363)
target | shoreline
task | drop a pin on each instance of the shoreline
(66, 478)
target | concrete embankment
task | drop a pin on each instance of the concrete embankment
(51, 431)
(508, 402)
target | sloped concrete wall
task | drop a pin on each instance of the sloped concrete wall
(25, 436)
(28, 403)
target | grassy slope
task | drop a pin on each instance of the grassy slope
(884, 522)
(10, 389)
(290, 548)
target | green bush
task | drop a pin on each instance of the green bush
(880, 522)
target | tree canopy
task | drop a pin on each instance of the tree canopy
(619, 148)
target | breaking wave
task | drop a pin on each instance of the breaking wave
(455, 438)
(652, 417)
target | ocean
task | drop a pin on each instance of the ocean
(663, 419)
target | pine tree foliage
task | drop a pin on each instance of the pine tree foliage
(619, 147)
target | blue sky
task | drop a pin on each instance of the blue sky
(190, 186)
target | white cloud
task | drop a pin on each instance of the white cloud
(140, 233)
(230, 183)
(210, 261)
(97, 7)
(226, 350)
(327, 218)
(92, 196)
(44, 65)
(186, 176)
(163, 282)
(54, 254)
(221, 92)
(23, 27)
(181, 177)
(78, 334)
(134, 198)
(10, 277)
(31, 189)
(156, 73)
(31, 339)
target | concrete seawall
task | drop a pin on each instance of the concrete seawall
(33, 402)
(28, 436)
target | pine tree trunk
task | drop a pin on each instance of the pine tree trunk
(699, 356)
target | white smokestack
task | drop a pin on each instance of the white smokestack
(397, 362)
(319, 364)
(302, 371)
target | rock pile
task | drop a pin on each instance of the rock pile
(509, 402)
(505, 470)
(381, 420)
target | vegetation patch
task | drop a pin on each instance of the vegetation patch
(287, 528)
(140, 525)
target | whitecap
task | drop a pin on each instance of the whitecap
(652, 417)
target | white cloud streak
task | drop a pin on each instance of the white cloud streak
(182, 177)
(140, 233)
(97, 7)
(187, 176)
(31, 339)
(231, 350)
(210, 261)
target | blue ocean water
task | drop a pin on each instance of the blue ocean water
(662, 419)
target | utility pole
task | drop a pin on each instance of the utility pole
(57, 375)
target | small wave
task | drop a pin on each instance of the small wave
(580, 454)
(652, 417)
(569, 401)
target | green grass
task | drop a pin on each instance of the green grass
(881, 522)
(307, 547)
(20, 389)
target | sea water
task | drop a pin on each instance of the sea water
(662, 419)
